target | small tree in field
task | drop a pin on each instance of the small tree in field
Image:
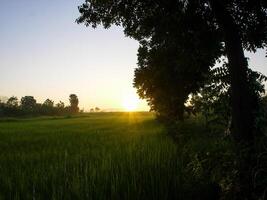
(74, 101)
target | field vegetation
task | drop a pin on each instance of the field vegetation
(109, 156)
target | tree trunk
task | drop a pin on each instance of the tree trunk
(242, 115)
(242, 111)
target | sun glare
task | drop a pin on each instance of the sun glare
(130, 102)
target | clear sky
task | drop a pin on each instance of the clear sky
(44, 53)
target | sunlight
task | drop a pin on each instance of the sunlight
(130, 102)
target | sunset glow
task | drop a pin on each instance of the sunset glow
(56, 57)
(130, 102)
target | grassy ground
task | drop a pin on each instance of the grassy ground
(103, 156)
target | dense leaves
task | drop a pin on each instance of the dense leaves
(213, 100)
(169, 72)
(146, 19)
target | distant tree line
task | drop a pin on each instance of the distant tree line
(29, 106)
(96, 109)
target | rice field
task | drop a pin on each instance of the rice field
(95, 156)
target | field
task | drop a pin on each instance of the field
(101, 156)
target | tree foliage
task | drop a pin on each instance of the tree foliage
(167, 75)
(184, 37)
(48, 103)
(12, 102)
(214, 99)
(28, 103)
(74, 101)
(144, 19)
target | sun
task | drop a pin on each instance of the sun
(130, 102)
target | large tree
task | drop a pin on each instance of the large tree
(236, 25)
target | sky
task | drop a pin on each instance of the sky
(45, 54)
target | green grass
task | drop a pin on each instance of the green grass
(101, 156)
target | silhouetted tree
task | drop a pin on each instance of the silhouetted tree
(60, 108)
(97, 109)
(232, 26)
(48, 107)
(60, 105)
(48, 103)
(11, 107)
(92, 110)
(28, 104)
(163, 80)
(12, 102)
(218, 18)
(74, 101)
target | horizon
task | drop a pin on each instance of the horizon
(47, 55)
